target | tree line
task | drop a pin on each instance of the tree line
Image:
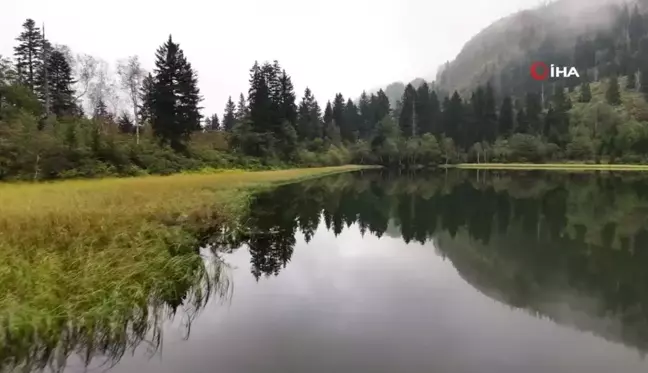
(76, 129)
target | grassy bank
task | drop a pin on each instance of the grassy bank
(551, 166)
(94, 253)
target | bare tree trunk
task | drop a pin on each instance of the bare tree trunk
(36, 167)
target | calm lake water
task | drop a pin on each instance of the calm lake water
(449, 272)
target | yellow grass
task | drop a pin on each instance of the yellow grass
(551, 166)
(90, 252)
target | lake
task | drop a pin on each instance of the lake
(462, 271)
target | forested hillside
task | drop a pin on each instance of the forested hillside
(58, 116)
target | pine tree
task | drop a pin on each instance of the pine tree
(522, 122)
(631, 83)
(328, 114)
(490, 114)
(352, 121)
(147, 99)
(435, 114)
(101, 111)
(242, 110)
(176, 96)
(214, 123)
(339, 104)
(532, 112)
(475, 119)
(505, 126)
(262, 111)
(28, 54)
(643, 79)
(423, 109)
(229, 116)
(316, 119)
(612, 94)
(453, 117)
(585, 92)
(367, 116)
(60, 81)
(305, 131)
(288, 106)
(406, 119)
(557, 125)
(125, 124)
(380, 106)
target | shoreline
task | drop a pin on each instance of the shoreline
(79, 254)
(547, 166)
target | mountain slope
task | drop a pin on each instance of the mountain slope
(517, 40)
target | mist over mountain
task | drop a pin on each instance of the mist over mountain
(502, 52)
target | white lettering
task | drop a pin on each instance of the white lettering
(573, 72)
(561, 71)
(552, 71)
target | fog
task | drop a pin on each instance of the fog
(332, 46)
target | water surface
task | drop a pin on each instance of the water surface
(450, 272)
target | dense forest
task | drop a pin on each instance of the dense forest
(59, 117)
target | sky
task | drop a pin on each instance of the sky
(330, 46)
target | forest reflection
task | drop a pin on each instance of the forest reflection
(570, 247)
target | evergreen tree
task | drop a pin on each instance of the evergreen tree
(147, 99)
(28, 54)
(328, 114)
(612, 94)
(288, 107)
(242, 111)
(261, 112)
(339, 105)
(453, 116)
(379, 106)
(176, 96)
(60, 83)
(490, 114)
(215, 123)
(316, 119)
(522, 122)
(435, 114)
(532, 112)
(229, 116)
(308, 117)
(474, 119)
(352, 121)
(125, 124)
(631, 83)
(556, 127)
(101, 111)
(406, 119)
(505, 126)
(423, 110)
(367, 116)
(643, 79)
(585, 92)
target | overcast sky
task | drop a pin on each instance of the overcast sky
(331, 46)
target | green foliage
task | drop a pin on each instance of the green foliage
(613, 95)
(585, 92)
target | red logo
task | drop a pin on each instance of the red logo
(539, 71)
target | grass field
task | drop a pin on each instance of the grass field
(91, 254)
(551, 166)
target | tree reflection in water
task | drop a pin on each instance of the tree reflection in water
(530, 240)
